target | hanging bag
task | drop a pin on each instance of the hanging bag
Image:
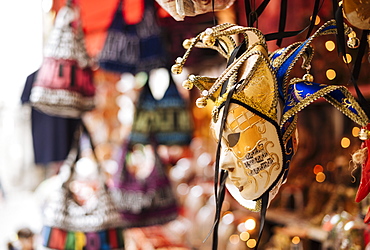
(132, 48)
(75, 221)
(179, 9)
(144, 201)
(168, 120)
(64, 84)
(144, 117)
(173, 122)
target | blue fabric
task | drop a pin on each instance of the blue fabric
(339, 96)
(282, 70)
(289, 153)
(133, 48)
(298, 92)
(173, 110)
(167, 121)
(143, 118)
(51, 136)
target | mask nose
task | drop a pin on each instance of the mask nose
(226, 160)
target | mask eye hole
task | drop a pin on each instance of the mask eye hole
(233, 139)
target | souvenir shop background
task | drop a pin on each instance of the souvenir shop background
(314, 209)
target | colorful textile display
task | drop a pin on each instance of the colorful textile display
(143, 122)
(74, 220)
(167, 120)
(56, 238)
(64, 84)
(133, 48)
(63, 89)
(173, 120)
(52, 136)
(142, 191)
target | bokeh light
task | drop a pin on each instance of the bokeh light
(196, 191)
(234, 239)
(349, 58)
(250, 224)
(183, 189)
(355, 131)
(296, 240)
(241, 227)
(345, 142)
(320, 177)
(317, 20)
(317, 169)
(331, 74)
(330, 45)
(244, 236)
(251, 243)
(349, 225)
(228, 218)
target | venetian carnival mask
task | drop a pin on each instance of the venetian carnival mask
(255, 106)
(251, 149)
(254, 116)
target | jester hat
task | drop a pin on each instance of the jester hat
(255, 109)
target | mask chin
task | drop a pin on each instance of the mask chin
(235, 193)
(252, 205)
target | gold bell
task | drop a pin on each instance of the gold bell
(186, 43)
(176, 68)
(187, 84)
(364, 134)
(201, 102)
(353, 42)
(308, 77)
(209, 40)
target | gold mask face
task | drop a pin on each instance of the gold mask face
(250, 151)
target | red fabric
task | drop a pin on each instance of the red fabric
(57, 74)
(133, 11)
(113, 239)
(97, 15)
(367, 217)
(364, 187)
(57, 239)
